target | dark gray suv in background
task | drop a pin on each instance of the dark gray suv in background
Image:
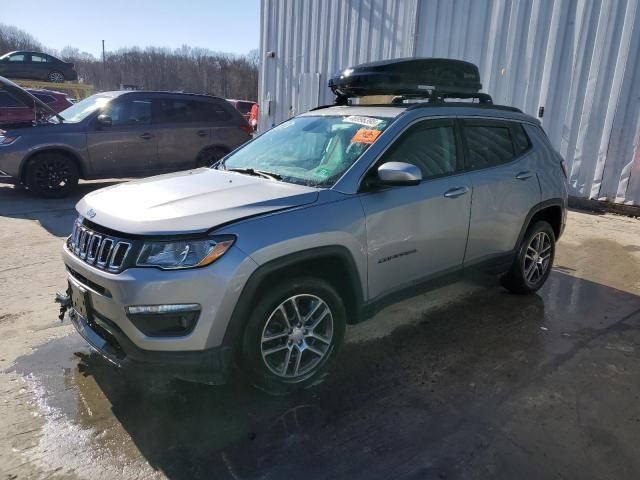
(116, 134)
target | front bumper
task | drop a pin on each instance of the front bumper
(210, 366)
(215, 288)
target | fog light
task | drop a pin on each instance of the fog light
(164, 320)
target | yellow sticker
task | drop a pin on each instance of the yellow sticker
(365, 135)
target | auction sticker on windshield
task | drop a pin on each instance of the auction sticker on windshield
(365, 135)
(367, 121)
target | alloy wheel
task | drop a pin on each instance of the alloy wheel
(297, 336)
(537, 258)
(52, 175)
(56, 77)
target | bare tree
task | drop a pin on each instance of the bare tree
(183, 69)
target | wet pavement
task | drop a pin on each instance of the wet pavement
(490, 385)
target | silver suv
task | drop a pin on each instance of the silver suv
(262, 260)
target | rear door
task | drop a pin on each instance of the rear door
(183, 127)
(505, 185)
(39, 65)
(129, 147)
(418, 232)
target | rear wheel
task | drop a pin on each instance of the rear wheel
(292, 333)
(56, 77)
(532, 266)
(52, 175)
(210, 156)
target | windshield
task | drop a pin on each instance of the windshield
(81, 110)
(313, 151)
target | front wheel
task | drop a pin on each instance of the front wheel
(534, 260)
(292, 333)
(52, 175)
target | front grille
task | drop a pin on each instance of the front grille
(95, 248)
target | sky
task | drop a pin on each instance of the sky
(231, 26)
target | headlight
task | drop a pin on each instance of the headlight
(6, 140)
(183, 254)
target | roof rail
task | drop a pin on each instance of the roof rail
(463, 104)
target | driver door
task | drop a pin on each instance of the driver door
(415, 233)
(128, 147)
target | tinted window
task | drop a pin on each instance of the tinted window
(18, 57)
(44, 98)
(188, 111)
(244, 107)
(7, 100)
(520, 139)
(130, 112)
(489, 144)
(429, 147)
(39, 58)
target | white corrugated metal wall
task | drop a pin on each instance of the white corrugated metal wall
(580, 59)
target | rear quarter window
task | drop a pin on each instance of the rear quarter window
(493, 142)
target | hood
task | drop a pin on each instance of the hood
(24, 97)
(189, 202)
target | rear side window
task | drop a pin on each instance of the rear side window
(429, 146)
(521, 141)
(488, 144)
(190, 111)
(7, 101)
(39, 58)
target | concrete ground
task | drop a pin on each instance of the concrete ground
(464, 382)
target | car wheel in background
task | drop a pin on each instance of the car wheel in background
(56, 77)
(292, 333)
(210, 156)
(532, 266)
(52, 174)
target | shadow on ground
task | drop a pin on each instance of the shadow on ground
(494, 386)
(54, 215)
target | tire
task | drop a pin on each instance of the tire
(210, 156)
(55, 77)
(295, 357)
(534, 260)
(52, 175)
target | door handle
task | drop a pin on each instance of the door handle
(524, 175)
(202, 133)
(146, 136)
(456, 192)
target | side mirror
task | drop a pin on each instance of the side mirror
(104, 120)
(398, 173)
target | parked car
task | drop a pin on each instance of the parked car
(243, 106)
(36, 66)
(13, 111)
(116, 134)
(262, 260)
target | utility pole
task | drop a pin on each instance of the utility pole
(104, 65)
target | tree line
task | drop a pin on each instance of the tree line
(188, 69)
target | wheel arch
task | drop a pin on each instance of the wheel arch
(551, 211)
(333, 264)
(54, 149)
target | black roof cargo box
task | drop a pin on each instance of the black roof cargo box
(418, 77)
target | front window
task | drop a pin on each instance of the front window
(81, 110)
(313, 151)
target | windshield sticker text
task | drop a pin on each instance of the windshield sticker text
(365, 135)
(367, 121)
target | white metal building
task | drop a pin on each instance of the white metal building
(580, 59)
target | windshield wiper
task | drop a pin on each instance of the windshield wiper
(256, 173)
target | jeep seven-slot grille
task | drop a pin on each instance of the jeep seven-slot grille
(97, 249)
